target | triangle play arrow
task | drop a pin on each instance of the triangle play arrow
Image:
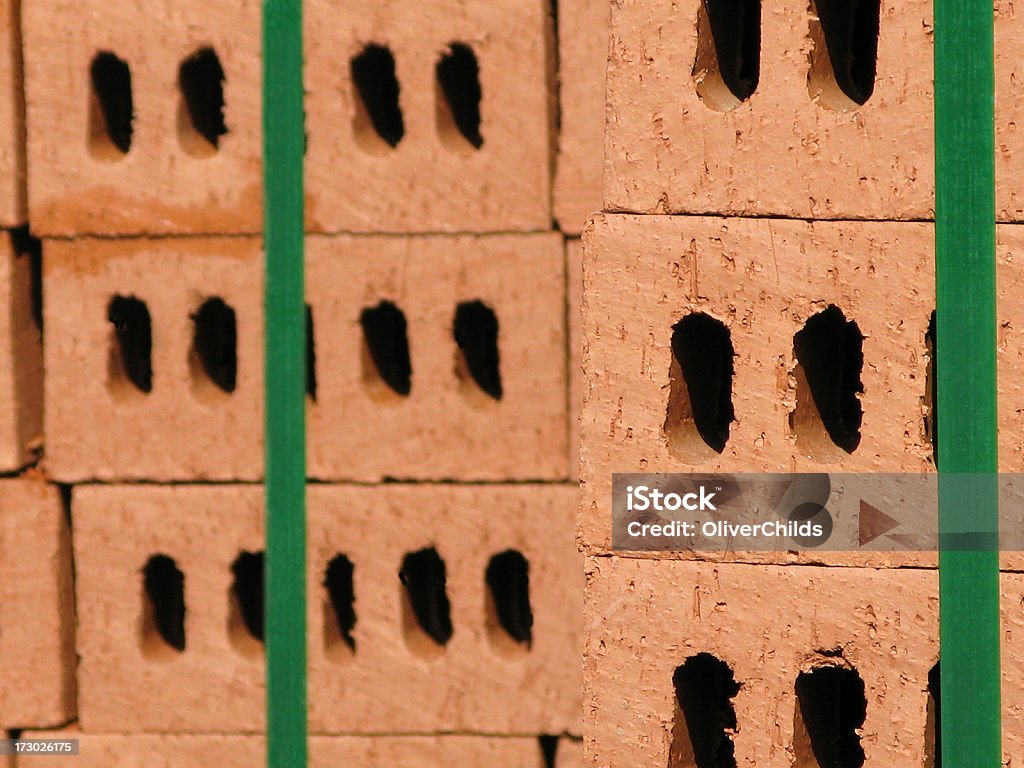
(873, 523)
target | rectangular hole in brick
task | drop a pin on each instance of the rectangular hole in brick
(310, 355)
(214, 355)
(378, 125)
(339, 609)
(426, 612)
(458, 99)
(705, 720)
(245, 614)
(933, 722)
(931, 402)
(831, 707)
(829, 355)
(728, 62)
(509, 618)
(163, 611)
(844, 52)
(201, 111)
(130, 356)
(477, 360)
(700, 408)
(31, 248)
(111, 108)
(386, 365)
(548, 750)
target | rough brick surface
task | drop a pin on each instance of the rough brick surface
(574, 303)
(37, 612)
(446, 427)
(582, 61)
(21, 358)
(218, 751)
(169, 181)
(12, 118)
(433, 180)
(100, 425)
(781, 151)
(396, 680)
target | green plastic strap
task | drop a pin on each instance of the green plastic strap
(966, 378)
(285, 364)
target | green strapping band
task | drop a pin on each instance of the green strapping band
(966, 378)
(285, 371)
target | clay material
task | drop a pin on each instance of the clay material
(381, 674)
(37, 612)
(574, 293)
(12, 117)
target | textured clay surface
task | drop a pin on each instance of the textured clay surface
(383, 673)
(574, 295)
(99, 422)
(432, 179)
(21, 360)
(645, 618)
(217, 751)
(170, 180)
(37, 612)
(12, 118)
(446, 426)
(582, 61)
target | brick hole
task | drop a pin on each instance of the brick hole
(111, 109)
(700, 406)
(130, 357)
(458, 99)
(548, 750)
(426, 612)
(933, 722)
(728, 62)
(201, 110)
(705, 720)
(829, 355)
(831, 707)
(509, 617)
(387, 369)
(31, 248)
(163, 612)
(310, 355)
(844, 52)
(477, 359)
(245, 614)
(378, 124)
(931, 401)
(339, 609)
(214, 357)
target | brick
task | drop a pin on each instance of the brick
(569, 753)
(582, 61)
(12, 118)
(229, 751)
(21, 385)
(433, 179)
(37, 683)
(171, 180)
(782, 151)
(447, 427)
(396, 679)
(100, 423)
(574, 293)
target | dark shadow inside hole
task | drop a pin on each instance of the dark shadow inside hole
(201, 80)
(247, 588)
(338, 580)
(310, 355)
(424, 576)
(829, 349)
(133, 332)
(832, 707)
(933, 737)
(387, 341)
(931, 421)
(30, 247)
(373, 74)
(705, 718)
(735, 27)
(216, 343)
(508, 579)
(113, 108)
(476, 333)
(850, 32)
(165, 589)
(458, 75)
(548, 749)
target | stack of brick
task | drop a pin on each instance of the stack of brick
(758, 297)
(445, 588)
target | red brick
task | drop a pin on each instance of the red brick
(12, 117)
(574, 294)
(397, 680)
